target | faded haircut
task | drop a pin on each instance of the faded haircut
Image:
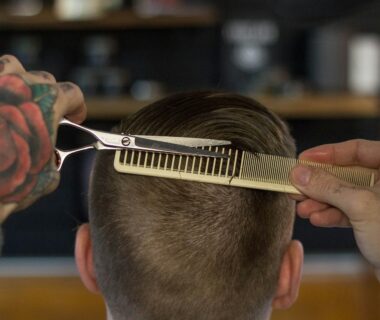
(169, 249)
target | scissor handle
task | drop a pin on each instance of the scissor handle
(61, 155)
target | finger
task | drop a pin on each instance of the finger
(319, 185)
(309, 206)
(297, 197)
(331, 217)
(10, 64)
(6, 210)
(70, 102)
(353, 152)
(44, 75)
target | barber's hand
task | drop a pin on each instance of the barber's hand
(31, 106)
(333, 203)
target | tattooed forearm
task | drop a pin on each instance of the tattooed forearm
(26, 138)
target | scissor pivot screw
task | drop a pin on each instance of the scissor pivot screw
(125, 141)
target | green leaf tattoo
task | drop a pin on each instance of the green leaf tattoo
(45, 96)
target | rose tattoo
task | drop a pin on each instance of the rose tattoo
(26, 146)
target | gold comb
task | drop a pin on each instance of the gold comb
(241, 169)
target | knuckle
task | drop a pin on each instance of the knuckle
(8, 58)
(46, 75)
(323, 182)
(71, 89)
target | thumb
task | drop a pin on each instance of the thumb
(324, 187)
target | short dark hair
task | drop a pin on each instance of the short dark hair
(168, 249)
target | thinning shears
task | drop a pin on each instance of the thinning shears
(164, 144)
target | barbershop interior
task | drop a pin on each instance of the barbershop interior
(316, 64)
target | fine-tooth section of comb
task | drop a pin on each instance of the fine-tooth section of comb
(241, 169)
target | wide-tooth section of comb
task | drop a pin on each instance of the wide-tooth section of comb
(241, 169)
(270, 172)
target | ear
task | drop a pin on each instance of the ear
(290, 276)
(84, 258)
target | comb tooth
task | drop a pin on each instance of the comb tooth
(273, 168)
(200, 164)
(278, 171)
(125, 157)
(138, 158)
(235, 162)
(228, 162)
(252, 172)
(221, 163)
(179, 163)
(366, 177)
(286, 170)
(193, 164)
(354, 178)
(268, 172)
(255, 175)
(242, 164)
(256, 159)
(207, 163)
(246, 168)
(132, 157)
(186, 164)
(266, 168)
(172, 157)
(280, 168)
(152, 163)
(263, 168)
(250, 158)
(145, 159)
(250, 169)
(277, 168)
(159, 160)
(214, 163)
(339, 172)
(166, 162)
(260, 166)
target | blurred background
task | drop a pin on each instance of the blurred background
(317, 66)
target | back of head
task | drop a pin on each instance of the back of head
(168, 249)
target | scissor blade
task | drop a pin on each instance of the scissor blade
(189, 142)
(159, 146)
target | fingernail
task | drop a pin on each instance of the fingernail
(301, 175)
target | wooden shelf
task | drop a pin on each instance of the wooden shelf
(123, 19)
(309, 106)
(323, 106)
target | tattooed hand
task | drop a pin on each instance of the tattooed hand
(31, 106)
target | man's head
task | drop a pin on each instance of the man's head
(167, 249)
